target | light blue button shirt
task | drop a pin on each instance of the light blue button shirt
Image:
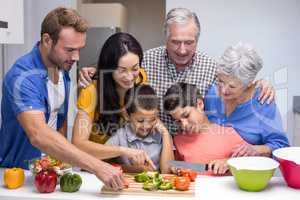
(152, 144)
(257, 124)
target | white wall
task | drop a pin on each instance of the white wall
(272, 26)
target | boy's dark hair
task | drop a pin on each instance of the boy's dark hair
(181, 94)
(141, 96)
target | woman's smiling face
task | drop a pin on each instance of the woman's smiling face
(127, 71)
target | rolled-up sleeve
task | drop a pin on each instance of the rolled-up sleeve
(23, 94)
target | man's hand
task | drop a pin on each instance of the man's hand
(218, 167)
(110, 176)
(245, 150)
(267, 91)
(138, 157)
(85, 75)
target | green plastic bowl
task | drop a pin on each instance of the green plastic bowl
(252, 173)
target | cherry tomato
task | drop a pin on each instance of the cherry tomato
(45, 164)
(188, 173)
(182, 183)
(169, 178)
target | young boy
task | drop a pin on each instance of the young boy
(199, 141)
(145, 131)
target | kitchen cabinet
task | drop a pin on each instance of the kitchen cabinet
(11, 22)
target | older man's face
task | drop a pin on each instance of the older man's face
(182, 43)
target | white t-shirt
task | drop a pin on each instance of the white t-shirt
(56, 97)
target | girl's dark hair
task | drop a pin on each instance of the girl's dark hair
(113, 49)
(141, 96)
(182, 95)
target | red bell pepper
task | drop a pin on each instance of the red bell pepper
(45, 181)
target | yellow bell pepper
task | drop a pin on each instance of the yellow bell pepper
(13, 178)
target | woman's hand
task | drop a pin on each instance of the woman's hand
(245, 150)
(85, 76)
(218, 167)
(138, 157)
(267, 91)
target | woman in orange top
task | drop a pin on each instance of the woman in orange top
(100, 105)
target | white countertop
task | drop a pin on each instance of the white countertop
(206, 188)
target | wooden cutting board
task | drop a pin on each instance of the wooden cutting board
(137, 189)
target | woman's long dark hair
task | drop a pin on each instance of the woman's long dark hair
(113, 49)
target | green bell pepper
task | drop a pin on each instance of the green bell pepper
(149, 185)
(141, 177)
(70, 182)
(157, 181)
(165, 186)
(153, 183)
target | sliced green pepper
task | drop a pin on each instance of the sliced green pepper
(157, 181)
(165, 186)
(148, 185)
(141, 177)
(70, 182)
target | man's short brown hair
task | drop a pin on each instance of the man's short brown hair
(62, 17)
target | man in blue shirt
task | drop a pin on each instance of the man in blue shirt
(35, 100)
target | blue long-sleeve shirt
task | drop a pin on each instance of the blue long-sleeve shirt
(257, 124)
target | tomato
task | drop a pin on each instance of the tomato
(182, 183)
(14, 178)
(45, 164)
(188, 173)
(117, 166)
(169, 178)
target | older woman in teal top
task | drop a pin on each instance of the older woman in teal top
(232, 101)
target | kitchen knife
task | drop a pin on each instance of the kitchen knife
(187, 165)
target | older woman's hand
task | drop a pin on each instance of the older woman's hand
(218, 167)
(245, 150)
(267, 91)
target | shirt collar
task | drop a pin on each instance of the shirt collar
(131, 136)
(38, 60)
(172, 66)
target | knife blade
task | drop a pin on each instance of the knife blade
(187, 165)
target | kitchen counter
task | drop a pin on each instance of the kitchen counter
(206, 188)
